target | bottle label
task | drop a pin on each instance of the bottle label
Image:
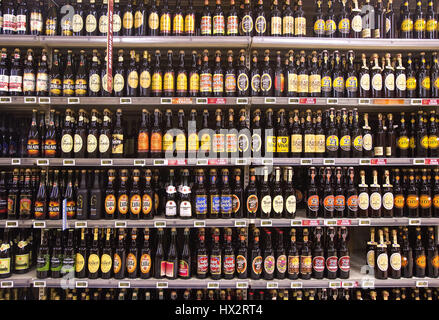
(339, 203)
(15, 83)
(201, 204)
(256, 142)
(79, 262)
(131, 263)
(119, 82)
(389, 82)
(278, 204)
(300, 26)
(229, 264)
(425, 83)
(218, 143)
(421, 261)
(303, 83)
(183, 269)
(395, 261)
(318, 264)
(53, 209)
(305, 264)
(231, 142)
(256, 83)
(290, 204)
(77, 144)
(189, 24)
(401, 82)
(330, 27)
(185, 209)
(403, 142)
(357, 23)
(242, 83)
(358, 143)
(103, 24)
(21, 262)
(122, 204)
(388, 201)
(135, 204)
(180, 143)
(344, 25)
(314, 83)
(352, 84)
(243, 143)
(375, 201)
(165, 23)
(425, 201)
(68, 87)
(332, 143)
(252, 204)
(168, 142)
(28, 82)
(90, 23)
(412, 201)
(181, 83)
(345, 143)
(67, 143)
(194, 82)
(4, 83)
(133, 79)
(104, 143)
(153, 21)
(205, 143)
(276, 26)
(436, 201)
(399, 201)
(293, 264)
(156, 84)
(353, 203)
(193, 142)
(310, 143)
(92, 143)
(215, 204)
(407, 25)
(117, 263)
(383, 262)
(168, 82)
(77, 23)
(71, 209)
(95, 83)
(232, 25)
(344, 263)
(313, 203)
(218, 82)
(215, 264)
(178, 24)
(93, 263)
(419, 25)
(171, 208)
(292, 82)
(288, 25)
(247, 24)
(365, 82)
(146, 204)
(332, 263)
(367, 142)
(39, 209)
(205, 82)
(241, 264)
(266, 204)
(236, 203)
(363, 201)
(269, 264)
(117, 23)
(206, 25)
(433, 142)
(319, 27)
(218, 25)
(260, 25)
(431, 25)
(281, 263)
(328, 203)
(370, 258)
(411, 83)
(145, 79)
(265, 82)
(279, 82)
(106, 263)
(296, 143)
(338, 84)
(230, 83)
(326, 84)
(36, 21)
(435, 261)
(282, 144)
(117, 143)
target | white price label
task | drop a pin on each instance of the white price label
(241, 285)
(363, 101)
(7, 284)
(5, 99)
(364, 162)
(419, 161)
(202, 162)
(334, 284)
(73, 101)
(364, 222)
(295, 223)
(160, 162)
(330, 222)
(80, 224)
(201, 101)
(125, 101)
(296, 285)
(120, 224)
(272, 285)
(414, 222)
(81, 284)
(328, 161)
(43, 100)
(124, 284)
(42, 162)
(16, 161)
(347, 284)
(240, 223)
(240, 162)
(332, 101)
(268, 162)
(139, 162)
(365, 284)
(11, 224)
(160, 224)
(162, 285)
(422, 283)
(69, 162)
(199, 224)
(166, 101)
(30, 99)
(39, 224)
(266, 223)
(242, 101)
(293, 101)
(39, 284)
(416, 102)
(213, 285)
(106, 162)
(305, 162)
(270, 100)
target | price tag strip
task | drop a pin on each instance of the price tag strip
(124, 284)
(422, 284)
(199, 224)
(240, 223)
(272, 285)
(241, 285)
(7, 284)
(39, 284)
(213, 285)
(81, 284)
(296, 285)
(120, 224)
(162, 285)
(39, 224)
(16, 162)
(68, 162)
(160, 224)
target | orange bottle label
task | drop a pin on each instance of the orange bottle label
(156, 142)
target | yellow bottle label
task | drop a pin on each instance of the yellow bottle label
(168, 81)
(145, 79)
(189, 24)
(165, 23)
(425, 83)
(133, 79)
(292, 82)
(326, 83)
(153, 21)
(193, 142)
(168, 141)
(320, 143)
(411, 83)
(194, 82)
(296, 143)
(288, 25)
(180, 142)
(156, 84)
(138, 19)
(319, 26)
(424, 142)
(181, 82)
(128, 20)
(330, 26)
(310, 141)
(178, 25)
(407, 25)
(420, 25)
(332, 143)
(106, 263)
(283, 144)
(303, 83)
(117, 23)
(271, 144)
(344, 25)
(79, 262)
(93, 263)
(431, 25)
(119, 82)
(205, 142)
(314, 83)
(300, 26)
(403, 142)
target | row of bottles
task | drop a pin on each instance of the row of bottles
(320, 253)
(291, 75)
(17, 251)
(407, 252)
(333, 133)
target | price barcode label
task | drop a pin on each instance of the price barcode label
(73, 101)
(293, 101)
(363, 101)
(161, 285)
(296, 285)
(364, 222)
(7, 284)
(272, 285)
(5, 100)
(365, 284)
(416, 102)
(241, 285)
(43, 100)
(414, 222)
(332, 101)
(240, 162)
(270, 100)
(242, 101)
(305, 162)
(328, 161)
(68, 162)
(30, 99)
(39, 224)
(11, 224)
(268, 162)
(106, 162)
(16, 162)
(199, 224)
(364, 162)
(81, 284)
(422, 284)
(42, 162)
(201, 101)
(334, 284)
(124, 284)
(120, 224)
(213, 285)
(240, 223)
(419, 162)
(347, 284)
(202, 162)
(80, 224)
(160, 162)
(160, 224)
(266, 223)
(139, 162)
(125, 101)
(39, 284)
(166, 101)
(295, 223)
(330, 222)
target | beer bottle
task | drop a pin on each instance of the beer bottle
(302, 77)
(105, 136)
(375, 198)
(156, 82)
(433, 138)
(172, 259)
(328, 201)
(277, 195)
(382, 258)
(189, 20)
(281, 258)
(51, 22)
(122, 196)
(54, 198)
(305, 258)
(344, 261)
(425, 196)
(206, 20)
(229, 260)
(351, 77)
(25, 200)
(265, 196)
(330, 25)
(69, 197)
(4, 73)
(143, 137)
(92, 137)
(243, 135)
(200, 193)
(82, 198)
(226, 195)
(241, 256)
(299, 21)
(434, 74)
(67, 256)
(255, 77)
(419, 256)
(371, 249)
(266, 84)
(282, 136)
(388, 196)
(106, 257)
(194, 77)
(170, 201)
(168, 77)
(180, 138)
(181, 82)
(431, 22)
(391, 138)
(406, 255)
(356, 22)
(40, 203)
(412, 196)
(147, 203)
(247, 21)
(94, 79)
(205, 138)
(400, 78)
(90, 20)
(117, 137)
(377, 78)
(215, 263)
(406, 29)
(435, 193)
(380, 21)
(206, 78)
(230, 75)
(43, 255)
(81, 256)
(293, 257)
(309, 136)
(389, 79)
(411, 84)
(319, 22)
(339, 197)
(68, 82)
(13, 197)
(156, 136)
(145, 76)
(4, 196)
(214, 195)
(219, 139)
(423, 78)
(29, 75)
(402, 143)
(81, 77)
(412, 140)
(275, 20)
(343, 21)
(390, 23)
(251, 196)
(268, 256)
(419, 22)
(80, 136)
(178, 20)
(312, 210)
(132, 76)
(318, 259)
(50, 147)
(94, 257)
(153, 19)
(202, 256)
(364, 79)
(320, 138)
(119, 257)
(135, 200)
(399, 197)
(379, 138)
(314, 79)
(217, 76)
(421, 137)
(432, 270)
(33, 138)
(332, 142)
(237, 195)
(218, 23)
(16, 75)
(287, 22)
(184, 197)
(345, 136)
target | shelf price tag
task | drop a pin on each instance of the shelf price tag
(364, 222)
(364, 162)
(166, 101)
(30, 99)
(213, 285)
(332, 101)
(295, 223)
(240, 162)
(16, 161)
(414, 222)
(81, 284)
(272, 285)
(241, 285)
(330, 222)
(106, 162)
(348, 284)
(125, 101)
(305, 162)
(80, 224)
(368, 284)
(199, 224)
(68, 162)
(162, 285)
(39, 284)
(293, 101)
(363, 101)
(42, 162)
(242, 101)
(160, 162)
(124, 284)
(270, 100)
(267, 162)
(43, 100)
(139, 162)
(266, 223)
(159, 224)
(419, 162)
(328, 161)
(422, 284)
(416, 102)
(311, 222)
(201, 101)
(7, 284)
(202, 162)
(240, 223)
(120, 224)
(39, 224)
(5, 99)
(334, 284)
(11, 224)
(73, 101)
(296, 285)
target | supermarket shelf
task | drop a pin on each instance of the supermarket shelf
(344, 44)
(141, 162)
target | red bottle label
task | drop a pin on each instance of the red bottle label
(318, 263)
(331, 264)
(344, 263)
